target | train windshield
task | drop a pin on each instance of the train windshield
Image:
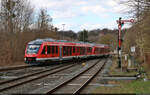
(33, 49)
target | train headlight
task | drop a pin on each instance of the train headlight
(24, 59)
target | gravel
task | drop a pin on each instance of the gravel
(97, 81)
(49, 80)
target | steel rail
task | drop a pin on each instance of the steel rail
(67, 81)
(37, 77)
(28, 75)
(2, 69)
(89, 80)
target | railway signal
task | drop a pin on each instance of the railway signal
(120, 23)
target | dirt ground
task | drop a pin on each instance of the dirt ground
(147, 57)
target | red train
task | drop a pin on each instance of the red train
(49, 50)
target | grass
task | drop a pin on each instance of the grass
(115, 71)
(136, 86)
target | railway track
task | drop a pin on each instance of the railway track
(3, 69)
(75, 84)
(5, 85)
(8, 85)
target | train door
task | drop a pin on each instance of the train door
(73, 50)
(53, 51)
(57, 51)
(48, 51)
(93, 49)
(44, 52)
(60, 52)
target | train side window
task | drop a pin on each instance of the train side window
(80, 50)
(90, 50)
(48, 50)
(73, 49)
(63, 50)
(53, 49)
(56, 49)
(66, 52)
(43, 51)
(70, 50)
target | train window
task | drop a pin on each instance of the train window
(56, 49)
(53, 49)
(83, 50)
(66, 50)
(48, 50)
(73, 49)
(63, 50)
(70, 50)
(68, 53)
(88, 50)
(78, 49)
(43, 51)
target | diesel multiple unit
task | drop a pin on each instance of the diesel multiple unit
(49, 50)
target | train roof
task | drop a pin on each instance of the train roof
(40, 41)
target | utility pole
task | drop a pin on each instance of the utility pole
(120, 23)
(83, 36)
(63, 31)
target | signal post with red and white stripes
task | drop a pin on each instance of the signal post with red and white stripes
(120, 23)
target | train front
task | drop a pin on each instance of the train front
(32, 52)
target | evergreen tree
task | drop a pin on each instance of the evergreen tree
(83, 36)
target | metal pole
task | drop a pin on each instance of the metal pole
(120, 24)
(83, 36)
(119, 43)
(63, 31)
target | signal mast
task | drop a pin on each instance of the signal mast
(120, 23)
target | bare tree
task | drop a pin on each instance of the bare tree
(15, 17)
(44, 21)
(140, 9)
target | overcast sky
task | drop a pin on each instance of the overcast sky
(83, 14)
